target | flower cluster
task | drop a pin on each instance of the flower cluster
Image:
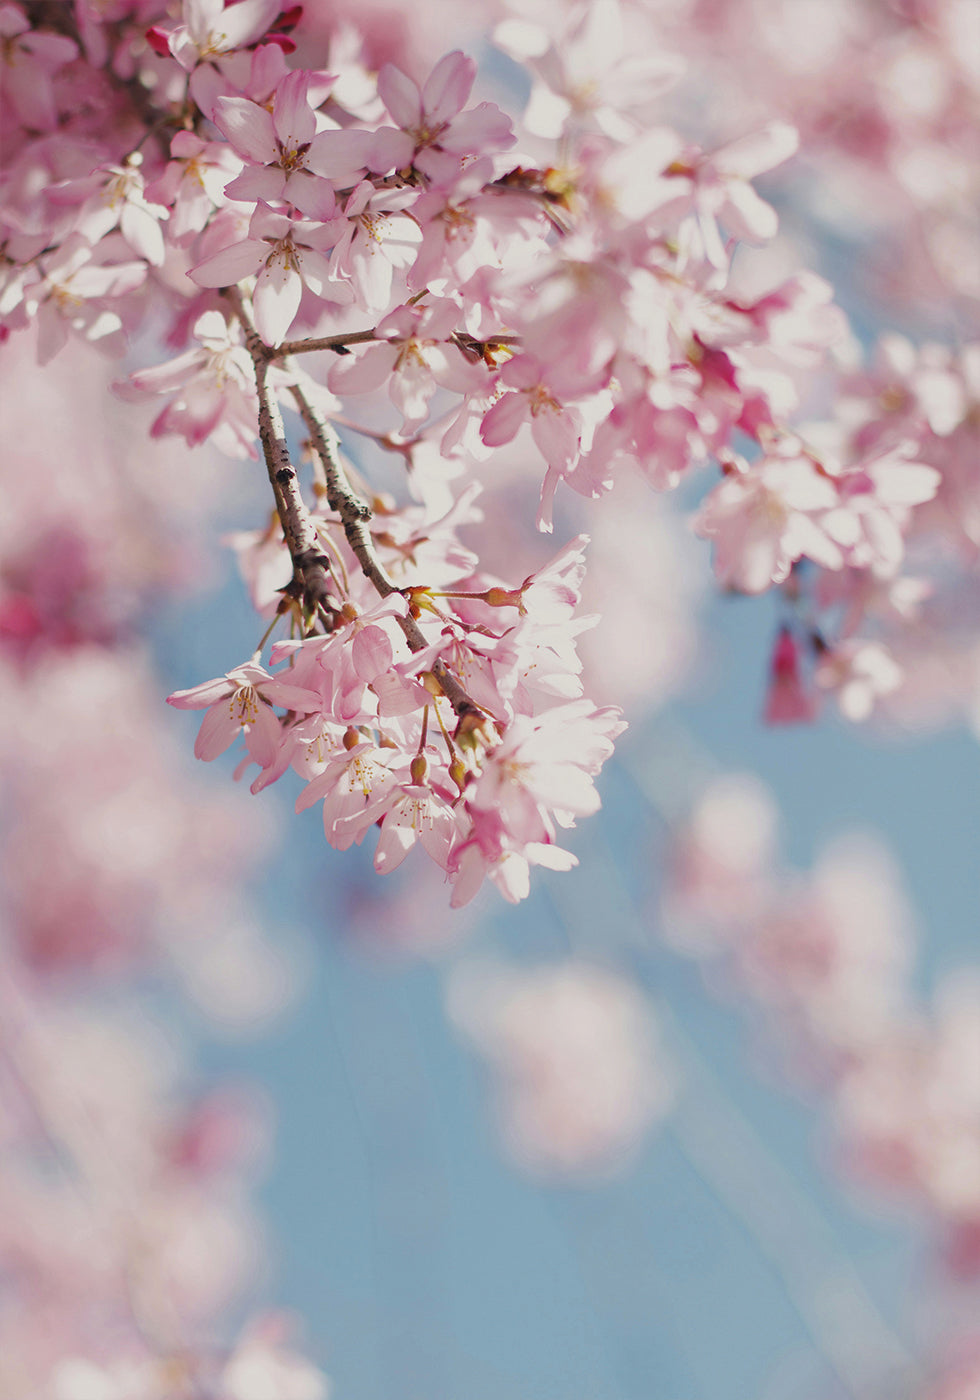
(559, 293)
(366, 715)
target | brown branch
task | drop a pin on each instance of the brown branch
(355, 516)
(311, 567)
(312, 577)
(354, 512)
(337, 343)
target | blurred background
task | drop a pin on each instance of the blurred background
(697, 1121)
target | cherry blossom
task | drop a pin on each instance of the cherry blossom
(415, 356)
(432, 119)
(213, 387)
(210, 27)
(299, 259)
(765, 516)
(587, 76)
(285, 255)
(241, 701)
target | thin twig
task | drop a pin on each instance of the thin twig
(337, 343)
(311, 567)
(355, 516)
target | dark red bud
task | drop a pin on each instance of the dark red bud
(159, 41)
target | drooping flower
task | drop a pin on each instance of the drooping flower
(764, 517)
(240, 702)
(284, 255)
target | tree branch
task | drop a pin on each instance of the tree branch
(312, 578)
(337, 343)
(311, 567)
(355, 515)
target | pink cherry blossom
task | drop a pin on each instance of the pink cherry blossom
(415, 356)
(285, 255)
(357, 787)
(579, 1075)
(715, 189)
(765, 516)
(433, 121)
(193, 184)
(420, 815)
(544, 769)
(378, 242)
(212, 27)
(80, 291)
(290, 156)
(214, 388)
(588, 75)
(114, 197)
(241, 702)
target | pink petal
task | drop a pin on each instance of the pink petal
(397, 838)
(220, 728)
(201, 696)
(504, 420)
(249, 128)
(229, 266)
(143, 234)
(747, 216)
(359, 374)
(411, 391)
(390, 149)
(483, 128)
(371, 653)
(342, 156)
(400, 96)
(264, 737)
(437, 831)
(292, 115)
(762, 151)
(265, 182)
(51, 50)
(447, 88)
(557, 434)
(244, 22)
(278, 292)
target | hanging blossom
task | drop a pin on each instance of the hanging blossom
(459, 302)
(287, 256)
(213, 390)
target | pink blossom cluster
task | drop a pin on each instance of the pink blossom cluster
(325, 219)
(825, 959)
(369, 731)
(126, 1228)
(560, 293)
(888, 631)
